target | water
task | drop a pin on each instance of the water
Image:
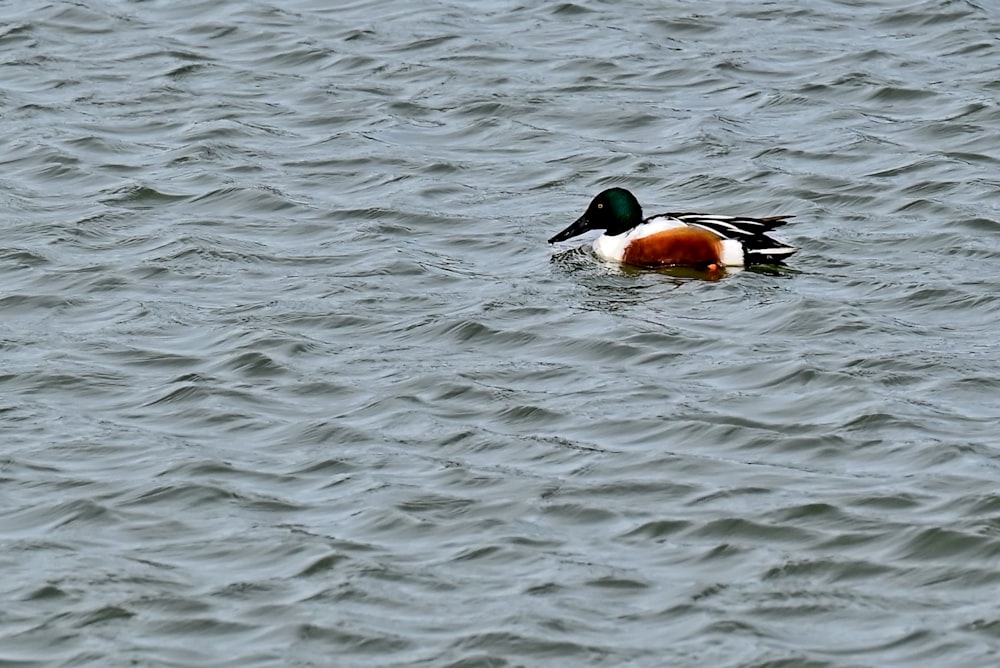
(291, 377)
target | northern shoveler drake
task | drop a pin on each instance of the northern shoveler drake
(695, 240)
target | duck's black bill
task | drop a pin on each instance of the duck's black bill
(581, 225)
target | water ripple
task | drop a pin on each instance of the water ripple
(291, 373)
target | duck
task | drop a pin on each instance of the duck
(693, 240)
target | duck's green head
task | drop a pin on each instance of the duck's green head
(615, 211)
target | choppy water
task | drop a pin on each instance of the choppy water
(290, 377)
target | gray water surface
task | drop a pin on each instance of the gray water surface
(289, 375)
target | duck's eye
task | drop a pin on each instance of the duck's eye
(600, 206)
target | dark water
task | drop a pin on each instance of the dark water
(290, 377)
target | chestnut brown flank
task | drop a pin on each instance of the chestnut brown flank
(681, 247)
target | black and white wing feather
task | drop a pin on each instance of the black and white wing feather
(759, 247)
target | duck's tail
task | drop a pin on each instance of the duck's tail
(762, 249)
